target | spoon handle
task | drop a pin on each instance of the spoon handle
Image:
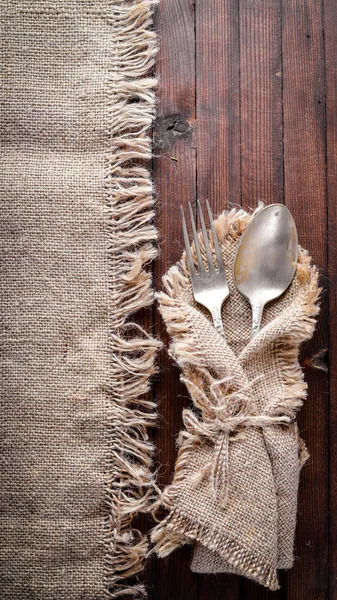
(257, 310)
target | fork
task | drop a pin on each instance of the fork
(209, 283)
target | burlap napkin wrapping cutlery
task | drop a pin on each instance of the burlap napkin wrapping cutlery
(234, 490)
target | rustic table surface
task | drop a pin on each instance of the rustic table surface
(247, 111)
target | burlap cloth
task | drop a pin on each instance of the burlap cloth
(76, 232)
(237, 472)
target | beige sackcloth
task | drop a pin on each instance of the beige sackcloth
(76, 232)
(234, 490)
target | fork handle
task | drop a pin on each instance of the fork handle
(217, 320)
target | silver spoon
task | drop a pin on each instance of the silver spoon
(265, 259)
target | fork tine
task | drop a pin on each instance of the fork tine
(215, 239)
(196, 241)
(206, 241)
(190, 262)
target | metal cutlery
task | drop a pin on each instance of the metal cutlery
(209, 282)
(264, 264)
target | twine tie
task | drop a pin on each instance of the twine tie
(224, 414)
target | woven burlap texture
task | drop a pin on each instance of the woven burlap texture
(76, 233)
(250, 529)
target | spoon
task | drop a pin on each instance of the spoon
(265, 259)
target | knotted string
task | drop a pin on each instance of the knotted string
(223, 415)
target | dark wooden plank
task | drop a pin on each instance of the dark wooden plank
(330, 27)
(218, 150)
(218, 102)
(261, 102)
(217, 143)
(305, 195)
(261, 136)
(174, 172)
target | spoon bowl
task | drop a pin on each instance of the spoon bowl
(265, 259)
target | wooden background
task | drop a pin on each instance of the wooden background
(247, 111)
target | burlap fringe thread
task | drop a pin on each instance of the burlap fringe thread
(130, 106)
(174, 531)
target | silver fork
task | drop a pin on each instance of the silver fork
(209, 283)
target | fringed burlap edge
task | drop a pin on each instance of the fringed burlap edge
(242, 560)
(176, 529)
(130, 107)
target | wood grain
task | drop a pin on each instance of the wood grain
(305, 195)
(330, 30)
(261, 102)
(218, 102)
(174, 168)
(242, 117)
(218, 149)
(261, 136)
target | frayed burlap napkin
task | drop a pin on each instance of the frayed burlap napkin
(76, 234)
(236, 478)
